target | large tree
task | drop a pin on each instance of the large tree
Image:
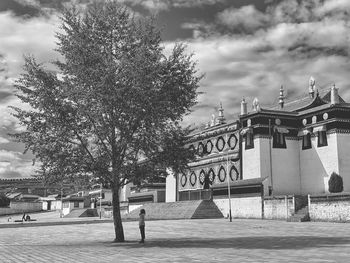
(113, 111)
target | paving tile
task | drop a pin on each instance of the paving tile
(204, 240)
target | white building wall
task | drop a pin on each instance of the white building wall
(170, 188)
(124, 193)
(56, 205)
(317, 164)
(251, 160)
(285, 165)
(343, 142)
(285, 168)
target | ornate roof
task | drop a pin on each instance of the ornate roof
(322, 97)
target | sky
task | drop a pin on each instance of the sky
(245, 48)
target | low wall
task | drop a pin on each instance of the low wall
(8, 211)
(330, 207)
(244, 207)
(26, 206)
(278, 207)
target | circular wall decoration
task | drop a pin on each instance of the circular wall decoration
(278, 122)
(249, 122)
(202, 177)
(200, 149)
(192, 148)
(209, 146)
(234, 174)
(304, 122)
(220, 144)
(232, 141)
(183, 180)
(222, 174)
(314, 119)
(325, 116)
(211, 175)
(193, 178)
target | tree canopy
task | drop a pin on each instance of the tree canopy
(112, 111)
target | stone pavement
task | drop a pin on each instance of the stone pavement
(203, 240)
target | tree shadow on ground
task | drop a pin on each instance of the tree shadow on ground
(251, 242)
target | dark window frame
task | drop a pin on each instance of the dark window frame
(249, 140)
(279, 140)
(201, 146)
(220, 149)
(322, 139)
(306, 141)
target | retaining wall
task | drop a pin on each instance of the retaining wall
(330, 207)
(278, 207)
(244, 207)
(26, 206)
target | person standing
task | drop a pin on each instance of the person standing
(142, 225)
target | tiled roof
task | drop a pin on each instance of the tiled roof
(305, 102)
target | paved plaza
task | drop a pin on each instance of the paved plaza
(211, 240)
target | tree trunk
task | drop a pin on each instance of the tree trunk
(118, 226)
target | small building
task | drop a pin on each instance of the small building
(75, 202)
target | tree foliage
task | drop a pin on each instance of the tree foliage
(114, 110)
(335, 183)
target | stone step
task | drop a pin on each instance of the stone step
(177, 210)
(302, 215)
(83, 212)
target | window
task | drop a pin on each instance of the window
(201, 149)
(249, 140)
(306, 141)
(249, 137)
(322, 135)
(305, 135)
(220, 144)
(322, 139)
(279, 140)
(209, 146)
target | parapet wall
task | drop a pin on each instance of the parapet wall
(279, 207)
(26, 206)
(330, 207)
(244, 207)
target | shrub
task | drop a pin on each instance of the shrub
(4, 201)
(335, 183)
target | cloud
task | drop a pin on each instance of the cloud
(246, 18)
(27, 36)
(257, 64)
(244, 52)
(3, 140)
(333, 6)
(155, 6)
(12, 165)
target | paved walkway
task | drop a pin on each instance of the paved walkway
(180, 241)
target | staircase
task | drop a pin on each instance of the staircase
(301, 215)
(86, 212)
(195, 209)
(207, 209)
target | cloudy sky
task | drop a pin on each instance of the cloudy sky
(246, 48)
